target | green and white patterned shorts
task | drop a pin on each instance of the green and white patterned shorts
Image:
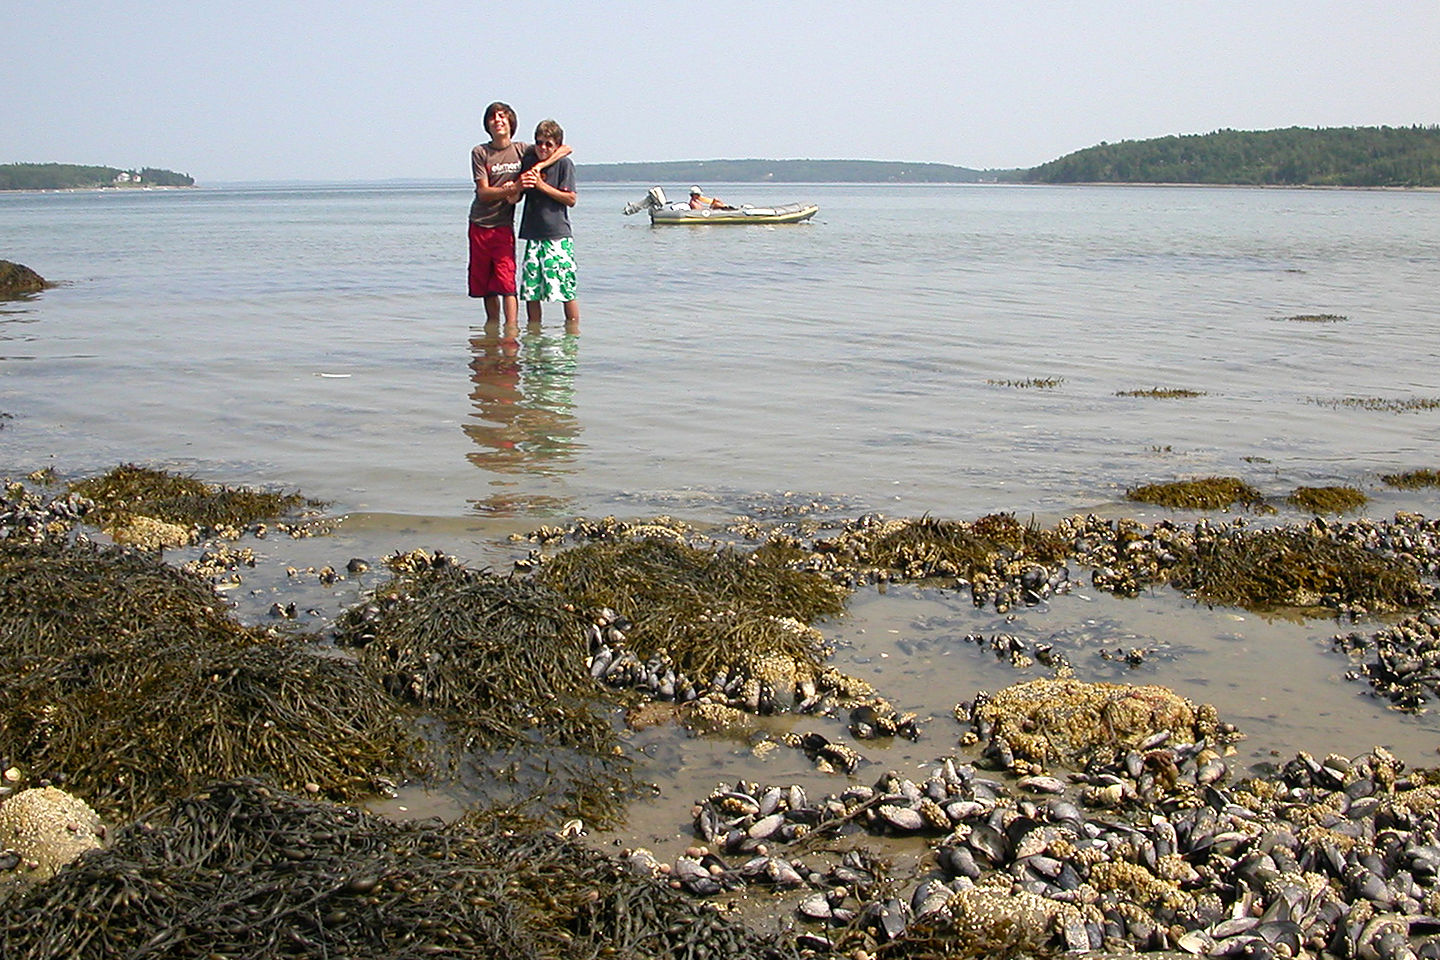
(548, 272)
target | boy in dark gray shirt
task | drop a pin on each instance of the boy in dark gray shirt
(548, 270)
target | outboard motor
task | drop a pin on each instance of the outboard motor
(653, 200)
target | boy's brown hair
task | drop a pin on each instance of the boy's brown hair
(495, 108)
(549, 130)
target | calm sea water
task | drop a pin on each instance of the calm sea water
(318, 338)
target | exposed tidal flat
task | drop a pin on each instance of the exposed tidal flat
(950, 352)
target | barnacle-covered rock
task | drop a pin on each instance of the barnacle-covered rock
(1070, 721)
(46, 828)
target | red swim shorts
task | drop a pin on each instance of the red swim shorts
(492, 261)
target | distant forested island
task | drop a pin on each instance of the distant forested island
(782, 171)
(70, 176)
(1297, 156)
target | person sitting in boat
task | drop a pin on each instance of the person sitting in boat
(699, 201)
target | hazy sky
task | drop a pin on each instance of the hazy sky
(316, 89)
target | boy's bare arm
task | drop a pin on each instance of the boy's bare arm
(564, 150)
(506, 191)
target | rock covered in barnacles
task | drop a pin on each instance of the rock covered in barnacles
(46, 828)
(1077, 723)
(1015, 919)
(707, 716)
(151, 534)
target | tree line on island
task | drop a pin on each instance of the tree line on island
(71, 176)
(1296, 156)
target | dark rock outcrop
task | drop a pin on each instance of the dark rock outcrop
(16, 278)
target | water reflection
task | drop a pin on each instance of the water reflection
(524, 423)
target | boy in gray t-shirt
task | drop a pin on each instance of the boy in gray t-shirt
(547, 271)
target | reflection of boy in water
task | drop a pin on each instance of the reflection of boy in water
(524, 404)
(495, 371)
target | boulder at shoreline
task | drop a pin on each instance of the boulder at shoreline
(16, 278)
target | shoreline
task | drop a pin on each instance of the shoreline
(143, 188)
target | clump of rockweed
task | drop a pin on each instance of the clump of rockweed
(1207, 493)
(499, 658)
(126, 680)
(707, 610)
(1413, 479)
(1288, 567)
(1162, 393)
(1334, 499)
(1038, 383)
(925, 547)
(241, 869)
(158, 508)
(1381, 404)
(1233, 564)
(16, 279)
(1317, 318)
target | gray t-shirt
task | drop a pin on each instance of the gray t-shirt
(501, 167)
(543, 217)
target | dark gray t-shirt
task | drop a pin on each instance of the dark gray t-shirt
(544, 218)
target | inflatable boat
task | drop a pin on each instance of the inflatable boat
(663, 212)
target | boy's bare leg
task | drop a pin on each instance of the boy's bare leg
(532, 312)
(572, 316)
(492, 309)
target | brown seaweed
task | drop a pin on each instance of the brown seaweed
(707, 610)
(126, 680)
(1413, 479)
(242, 869)
(926, 547)
(1162, 393)
(129, 491)
(493, 657)
(1208, 493)
(1333, 499)
(1288, 567)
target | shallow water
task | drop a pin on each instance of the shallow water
(316, 337)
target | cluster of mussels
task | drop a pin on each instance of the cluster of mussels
(1401, 662)
(1409, 537)
(614, 664)
(29, 517)
(1335, 858)
(1125, 555)
(1013, 582)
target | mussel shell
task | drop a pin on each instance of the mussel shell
(903, 819)
(766, 827)
(815, 907)
(958, 861)
(989, 843)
